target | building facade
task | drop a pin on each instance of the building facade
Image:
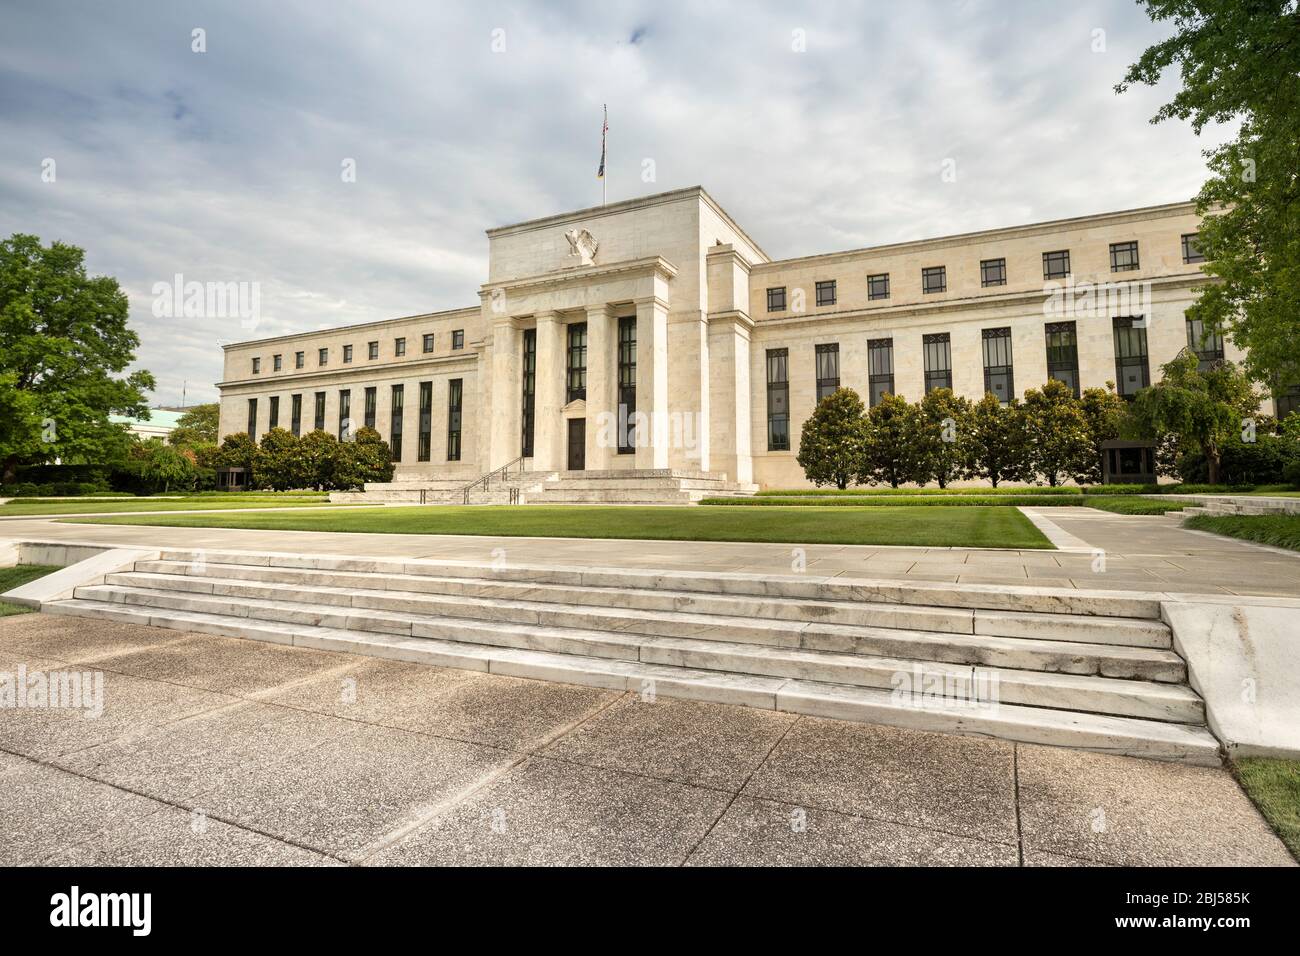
(655, 334)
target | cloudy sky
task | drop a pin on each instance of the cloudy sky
(226, 165)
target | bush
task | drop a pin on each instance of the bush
(832, 445)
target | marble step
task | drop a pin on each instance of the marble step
(1132, 736)
(614, 633)
(807, 615)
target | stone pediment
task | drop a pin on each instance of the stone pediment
(575, 409)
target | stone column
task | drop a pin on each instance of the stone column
(548, 437)
(729, 384)
(602, 384)
(652, 382)
(504, 435)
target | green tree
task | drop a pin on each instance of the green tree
(944, 437)
(1059, 441)
(833, 441)
(893, 443)
(1202, 410)
(198, 426)
(999, 442)
(238, 451)
(279, 462)
(319, 453)
(366, 458)
(1240, 60)
(64, 349)
(165, 466)
(1106, 413)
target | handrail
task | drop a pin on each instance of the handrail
(486, 479)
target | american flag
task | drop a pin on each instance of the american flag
(600, 173)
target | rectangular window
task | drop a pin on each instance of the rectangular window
(275, 412)
(423, 449)
(257, 366)
(1206, 343)
(880, 369)
(776, 299)
(1063, 354)
(252, 419)
(372, 350)
(372, 400)
(1056, 265)
(878, 287)
(1131, 369)
(826, 292)
(395, 422)
(997, 364)
(345, 415)
(1123, 256)
(828, 369)
(454, 395)
(1191, 251)
(347, 354)
(322, 357)
(778, 399)
(319, 422)
(399, 347)
(277, 363)
(428, 342)
(993, 272)
(299, 359)
(938, 361)
(295, 415)
(577, 362)
(934, 279)
(529, 363)
(627, 384)
(457, 339)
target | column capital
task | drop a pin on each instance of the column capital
(648, 301)
(546, 315)
(601, 311)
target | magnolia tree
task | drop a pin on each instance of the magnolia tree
(1059, 439)
(833, 441)
(944, 438)
(892, 450)
(999, 441)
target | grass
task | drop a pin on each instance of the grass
(871, 492)
(17, 576)
(71, 506)
(973, 527)
(1135, 504)
(1274, 785)
(898, 501)
(1281, 531)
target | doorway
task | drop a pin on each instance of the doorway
(577, 444)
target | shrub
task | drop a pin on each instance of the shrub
(832, 445)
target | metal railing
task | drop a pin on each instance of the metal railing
(499, 474)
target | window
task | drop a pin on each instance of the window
(880, 369)
(454, 394)
(1191, 251)
(828, 369)
(345, 415)
(826, 292)
(1131, 370)
(993, 272)
(322, 356)
(372, 400)
(1286, 402)
(275, 412)
(778, 399)
(1123, 256)
(1063, 354)
(257, 366)
(776, 299)
(428, 342)
(529, 363)
(399, 347)
(295, 415)
(319, 421)
(1056, 265)
(395, 422)
(299, 359)
(878, 287)
(934, 279)
(372, 350)
(577, 362)
(277, 363)
(1206, 343)
(347, 354)
(938, 361)
(457, 339)
(252, 419)
(423, 449)
(627, 384)
(997, 364)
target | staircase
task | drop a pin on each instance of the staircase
(1238, 505)
(448, 491)
(1094, 671)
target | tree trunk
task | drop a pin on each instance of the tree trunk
(10, 470)
(993, 478)
(1212, 461)
(841, 483)
(1051, 480)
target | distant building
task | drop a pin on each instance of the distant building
(160, 424)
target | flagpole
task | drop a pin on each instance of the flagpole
(604, 180)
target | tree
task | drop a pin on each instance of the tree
(1240, 60)
(892, 443)
(238, 451)
(64, 346)
(1059, 441)
(944, 437)
(366, 458)
(1106, 413)
(833, 441)
(1203, 410)
(198, 426)
(999, 443)
(164, 465)
(279, 463)
(319, 454)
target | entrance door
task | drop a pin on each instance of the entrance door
(577, 444)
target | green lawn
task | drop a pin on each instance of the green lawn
(927, 527)
(1281, 531)
(17, 576)
(898, 501)
(1274, 785)
(1135, 504)
(872, 491)
(19, 507)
